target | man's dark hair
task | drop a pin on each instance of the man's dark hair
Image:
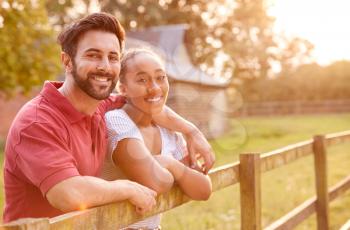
(69, 37)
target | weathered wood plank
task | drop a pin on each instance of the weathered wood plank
(320, 159)
(337, 138)
(116, 215)
(250, 191)
(294, 217)
(346, 226)
(282, 156)
(339, 189)
(105, 217)
(28, 224)
(224, 176)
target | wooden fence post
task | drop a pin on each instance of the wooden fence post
(320, 158)
(250, 192)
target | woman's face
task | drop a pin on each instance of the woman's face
(145, 83)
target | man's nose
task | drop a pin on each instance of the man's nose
(104, 65)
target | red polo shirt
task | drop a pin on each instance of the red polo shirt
(50, 141)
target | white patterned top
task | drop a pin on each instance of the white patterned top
(119, 127)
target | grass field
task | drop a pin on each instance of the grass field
(283, 188)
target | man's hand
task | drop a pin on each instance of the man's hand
(198, 146)
(142, 197)
(199, 150)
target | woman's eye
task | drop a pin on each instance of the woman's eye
(161, 78)
(142, 80)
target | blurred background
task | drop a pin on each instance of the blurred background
(254, 75)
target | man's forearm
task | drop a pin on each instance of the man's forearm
(82, 192)
(196, 141)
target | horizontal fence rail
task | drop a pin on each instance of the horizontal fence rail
(293, 107)
(247, 173)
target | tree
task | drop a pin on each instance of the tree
(240, 31)
(28, 52)
(295, 52)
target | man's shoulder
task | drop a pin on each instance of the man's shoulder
(36, 112)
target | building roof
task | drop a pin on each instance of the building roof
(168, 41)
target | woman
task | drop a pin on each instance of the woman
(140, 150)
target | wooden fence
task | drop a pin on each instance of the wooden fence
(247, 172)
(293, 107)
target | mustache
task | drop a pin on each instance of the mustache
(101, 74)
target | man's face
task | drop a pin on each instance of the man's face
(96, 65)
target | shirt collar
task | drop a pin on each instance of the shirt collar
(55, 98)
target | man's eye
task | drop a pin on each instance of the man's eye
(114, 58)
(93, 55)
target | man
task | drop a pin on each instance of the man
(57, 142)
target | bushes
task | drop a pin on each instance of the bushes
(307, 83)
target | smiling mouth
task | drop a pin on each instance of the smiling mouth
(154, 99)
(101, 79)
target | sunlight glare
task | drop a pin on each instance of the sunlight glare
(323, 23)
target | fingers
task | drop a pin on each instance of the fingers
(145, 199)
(146, 207)
(198, 144)
(149, 191)
(209, 160)
(140, 210)
(193, 158)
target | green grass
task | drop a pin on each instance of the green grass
(282, 189)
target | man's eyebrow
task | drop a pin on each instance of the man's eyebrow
(98, 51)
(92, 50)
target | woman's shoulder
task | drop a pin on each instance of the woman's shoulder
(118, 119)
(116, 113)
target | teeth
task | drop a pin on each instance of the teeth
(102, 79)
(153, 99)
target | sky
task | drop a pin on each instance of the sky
(325, 23)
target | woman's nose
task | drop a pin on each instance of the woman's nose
(154, 87)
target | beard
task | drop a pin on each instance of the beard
(99, 93)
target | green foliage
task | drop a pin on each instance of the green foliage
(241, 31)
(306, 83)
(28, 51)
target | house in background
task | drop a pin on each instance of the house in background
(193, 94)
